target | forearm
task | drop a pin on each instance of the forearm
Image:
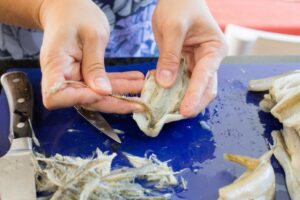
(21, 12)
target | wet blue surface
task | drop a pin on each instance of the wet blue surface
(236, 126)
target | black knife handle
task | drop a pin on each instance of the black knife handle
(19, 94)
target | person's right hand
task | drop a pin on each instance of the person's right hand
(76, 33)
(189, 30)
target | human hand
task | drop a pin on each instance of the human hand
(187, 28)
(76, 33)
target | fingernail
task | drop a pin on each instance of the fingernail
(166, 77)
(103, 84)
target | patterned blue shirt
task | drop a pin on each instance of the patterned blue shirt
(130, 24)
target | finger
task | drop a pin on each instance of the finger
(93, 70)
(131, 75)
(124, 86)
(202, 73)
(53, 75)
(73, 72)
(113, 105)
(209, 94)
(189, 60)
(157, 35)
(196, 106)
(170, 54)
(62, 99)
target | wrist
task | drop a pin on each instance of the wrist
(43, 12)
(25, 13)
(36, 15)
(50, 9)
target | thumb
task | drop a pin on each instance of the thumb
(170, 56)
(93, 69)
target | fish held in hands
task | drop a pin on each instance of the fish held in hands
(162, 103)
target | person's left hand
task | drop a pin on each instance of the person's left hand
(73, 50)
(186, 27)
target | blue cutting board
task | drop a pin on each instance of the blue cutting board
(236, 126)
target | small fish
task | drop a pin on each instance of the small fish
(283, 100)
(286, 151)
(257, 182)
(162, 103)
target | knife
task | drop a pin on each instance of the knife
(17, 174)
(98, 121)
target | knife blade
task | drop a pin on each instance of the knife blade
(17, 174)
(98, 121)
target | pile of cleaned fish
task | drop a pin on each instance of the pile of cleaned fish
(283, 101)
(64, 177)
(162, 103)
(258, 181)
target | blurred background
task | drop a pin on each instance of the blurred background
(259, 27)
(251, 27)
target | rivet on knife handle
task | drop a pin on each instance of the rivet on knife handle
(19, 94)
